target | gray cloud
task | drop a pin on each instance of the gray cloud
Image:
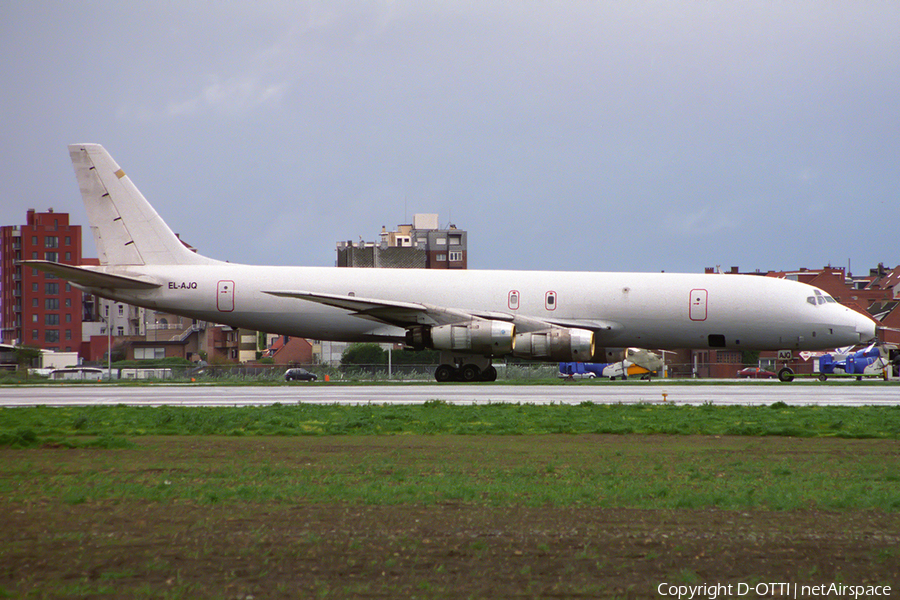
(750, 133)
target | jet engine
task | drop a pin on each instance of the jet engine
(489, 338)
(556, 344)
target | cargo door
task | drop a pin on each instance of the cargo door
(225, 296)
(698, 305)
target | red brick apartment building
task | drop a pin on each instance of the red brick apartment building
(39, 309)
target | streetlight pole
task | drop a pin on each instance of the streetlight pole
(108, 345)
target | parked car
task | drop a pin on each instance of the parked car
(299, 375)
(756, 372)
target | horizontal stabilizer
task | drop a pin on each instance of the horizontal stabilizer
(87, 278)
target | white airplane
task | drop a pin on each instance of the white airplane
(471, 316)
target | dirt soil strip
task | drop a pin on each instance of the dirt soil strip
(436, 551)
(185, 547)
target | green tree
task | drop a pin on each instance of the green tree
(364, 354)
(416, 357)
(25, 356)
(750, 357)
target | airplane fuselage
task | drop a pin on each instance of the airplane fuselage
(649, 310)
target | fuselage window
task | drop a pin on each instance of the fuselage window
(550, 301)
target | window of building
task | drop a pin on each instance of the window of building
(34, 302)
(51, 241)
(34, 334)
(51, 335)
(728, 357)
(68, 302)
(68, 256)
(51, 304)
(456, 256)
(149, 353)
(68, 317)
(51, 319)
(68, 287)
(68, 241)
(68, 334)
(455, 240)
(121, 310)
(34, 240)
(120, 331)
(51, 288)
(34, 287)
(34, 318)
(54, 256)
(34, 255)
(440, 241)
(441, 258)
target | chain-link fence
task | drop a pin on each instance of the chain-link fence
(350, 373)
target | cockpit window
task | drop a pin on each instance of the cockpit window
(819, 298)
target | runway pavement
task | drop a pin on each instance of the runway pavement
(750, 393)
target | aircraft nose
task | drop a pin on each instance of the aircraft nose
(865, 327)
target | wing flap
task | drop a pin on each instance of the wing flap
(393, 312)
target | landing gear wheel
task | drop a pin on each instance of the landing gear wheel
(470, 373)
(786, 375)
(823, 378)
(489, 374)
(444, 373)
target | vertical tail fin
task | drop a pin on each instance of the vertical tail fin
(127, 230)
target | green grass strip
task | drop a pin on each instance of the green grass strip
(34, 426)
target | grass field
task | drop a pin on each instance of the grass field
(442, 501)
(39, 425)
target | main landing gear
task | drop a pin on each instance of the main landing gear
(465, 368)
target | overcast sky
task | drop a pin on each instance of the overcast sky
(616, 136)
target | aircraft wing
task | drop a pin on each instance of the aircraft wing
(402, 314)
(87, 278)
(408, 314)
